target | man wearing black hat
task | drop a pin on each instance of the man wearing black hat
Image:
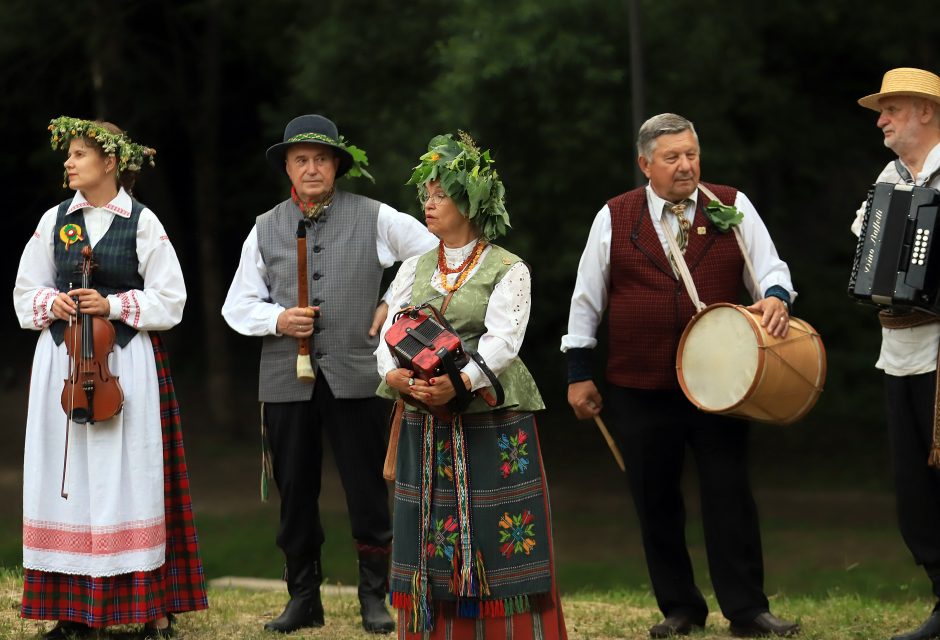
(908, 107)
(350, 240)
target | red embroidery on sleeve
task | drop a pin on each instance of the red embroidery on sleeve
(41, 307)
(136, 309)
(125, 306)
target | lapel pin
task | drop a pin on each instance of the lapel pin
(700, 230)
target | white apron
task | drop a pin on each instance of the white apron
(113, 519)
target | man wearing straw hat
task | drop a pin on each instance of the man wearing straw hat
(626, 267)
(350, 240)
(909, 117)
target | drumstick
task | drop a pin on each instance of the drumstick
(305, 372)
(614, 449)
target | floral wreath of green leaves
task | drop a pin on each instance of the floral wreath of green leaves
(467, 177)
(360, 160)
(357, 169)
(130, 156)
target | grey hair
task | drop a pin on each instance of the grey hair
(923, 103)
(663, 124)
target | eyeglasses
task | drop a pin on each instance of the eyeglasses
(435, 199)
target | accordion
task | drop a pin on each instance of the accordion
(419, 343)
(429, 346)
(895, 258)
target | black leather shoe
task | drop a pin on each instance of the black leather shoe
(299, 613)
(373, 585)
(305, 609)
(930, 630)
(677, 624)
(151, 632)
(66, 630)
(764, 624)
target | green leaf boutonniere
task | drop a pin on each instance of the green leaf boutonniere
(723, 216)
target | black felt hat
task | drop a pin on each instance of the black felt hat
(315, 129)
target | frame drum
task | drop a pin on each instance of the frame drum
(727, 363)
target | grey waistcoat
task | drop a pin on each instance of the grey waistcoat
(343, 277)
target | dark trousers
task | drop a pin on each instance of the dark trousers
(654, 428)
(910, 401)
(356, 430)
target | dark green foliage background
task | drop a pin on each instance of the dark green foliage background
(544, 84)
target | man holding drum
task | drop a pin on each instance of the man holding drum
(628, 266)
(909, 108)
(349, 241)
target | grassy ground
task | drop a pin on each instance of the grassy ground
(590, 615)
(833, 556)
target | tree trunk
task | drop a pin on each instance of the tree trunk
(205, 145)
(637, 84)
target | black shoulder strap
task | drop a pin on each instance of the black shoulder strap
(908, 178)
(903, 172)
(463, 396)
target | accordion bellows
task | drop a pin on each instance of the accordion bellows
(419, 343)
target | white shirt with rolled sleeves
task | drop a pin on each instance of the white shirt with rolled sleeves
(907, 352)
(506, 318)
(589, 299)
(248, 308)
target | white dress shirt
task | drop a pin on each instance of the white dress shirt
(248, 308)
(589, 299)
(907, 352)
(506, 319)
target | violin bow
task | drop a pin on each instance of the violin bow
(68, 416)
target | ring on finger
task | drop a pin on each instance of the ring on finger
(411, 382)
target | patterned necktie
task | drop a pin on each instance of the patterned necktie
(685, 225)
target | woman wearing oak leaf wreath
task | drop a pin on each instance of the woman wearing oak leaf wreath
(472, 552)
(122, 548)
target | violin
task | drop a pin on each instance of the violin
(91, 393)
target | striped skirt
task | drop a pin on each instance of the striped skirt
(141, 596)
(472, 550)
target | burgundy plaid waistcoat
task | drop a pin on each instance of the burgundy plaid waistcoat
(648, 305)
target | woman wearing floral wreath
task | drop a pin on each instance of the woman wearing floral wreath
(472, 552)
(121, 548)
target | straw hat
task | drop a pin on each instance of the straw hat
(905, 82)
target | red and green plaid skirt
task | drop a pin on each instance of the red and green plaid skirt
(545, 624)
(138, 597)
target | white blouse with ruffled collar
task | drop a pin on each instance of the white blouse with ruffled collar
(506, 319)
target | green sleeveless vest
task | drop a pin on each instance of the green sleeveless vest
(466, 312)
